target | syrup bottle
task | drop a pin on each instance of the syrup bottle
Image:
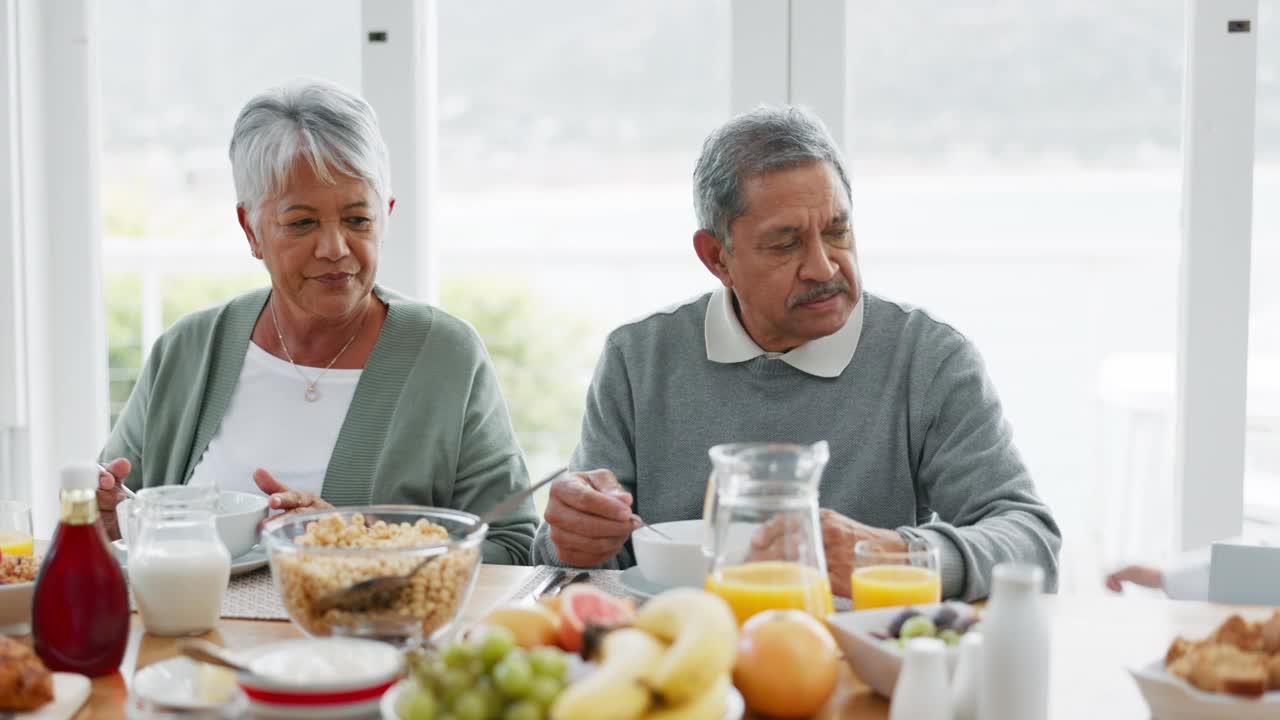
(80, 610)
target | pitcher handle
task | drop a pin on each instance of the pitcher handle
(709, 507)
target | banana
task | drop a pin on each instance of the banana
(703, 633)
(710, 705)
(614, 690)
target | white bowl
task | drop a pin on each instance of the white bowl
(15, 608)
(238, 515)
(318, 677)
(678, 562)
(1172, 698)
(873, 660)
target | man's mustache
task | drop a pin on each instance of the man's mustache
(817, 291)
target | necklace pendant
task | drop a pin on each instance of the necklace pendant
(312, 394)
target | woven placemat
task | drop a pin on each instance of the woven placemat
(608, 580)
(251, 596)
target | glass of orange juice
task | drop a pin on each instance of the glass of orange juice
(884, 575)
(15, 528)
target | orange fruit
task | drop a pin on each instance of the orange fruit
(581, 605)
(533, 625)
(787, 664)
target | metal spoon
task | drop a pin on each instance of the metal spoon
(123, 488)
(382, 591)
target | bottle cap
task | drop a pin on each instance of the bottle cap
(925, 647)
(80, 476)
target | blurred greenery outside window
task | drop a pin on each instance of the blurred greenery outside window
(528, 342)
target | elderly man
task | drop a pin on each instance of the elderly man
(792, 349)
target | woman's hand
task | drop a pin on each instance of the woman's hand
(280, 497)
(110, 494)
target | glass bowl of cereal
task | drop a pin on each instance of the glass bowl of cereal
(316, 557)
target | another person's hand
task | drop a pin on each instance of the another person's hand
(839, 535)
(280, 497)
(110, 495)
(590, 517)
(1143, 575)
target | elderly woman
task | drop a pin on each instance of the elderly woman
(325, 388)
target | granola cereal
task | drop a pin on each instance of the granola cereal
(433, 596)
(17, 569)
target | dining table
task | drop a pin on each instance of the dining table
(1094, 640)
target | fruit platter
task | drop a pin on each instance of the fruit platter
(872, 640)
(582, 655)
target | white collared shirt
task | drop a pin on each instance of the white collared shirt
(728, 342)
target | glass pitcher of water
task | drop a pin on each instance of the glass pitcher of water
(763, 537)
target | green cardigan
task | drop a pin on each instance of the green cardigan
(427, 425)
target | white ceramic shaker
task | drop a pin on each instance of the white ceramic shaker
(1014, 682)
(964, 683)
(921, 692)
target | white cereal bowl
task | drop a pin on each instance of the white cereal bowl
(15, 608)
(678, 562)
(238, 515)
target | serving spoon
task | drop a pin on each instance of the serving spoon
(207, 652)
(381, 591)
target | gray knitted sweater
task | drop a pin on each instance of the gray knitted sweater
(918, 439)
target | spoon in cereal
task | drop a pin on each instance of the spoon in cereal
(382, 591)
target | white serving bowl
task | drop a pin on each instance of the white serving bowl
(678, 562)
(238, 515)
(1171, 697)
(873, 660)
(15, 608)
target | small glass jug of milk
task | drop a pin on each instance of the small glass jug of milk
(178, 569)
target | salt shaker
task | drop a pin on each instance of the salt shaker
(964, 684)
(1014, 682)
(921, 692)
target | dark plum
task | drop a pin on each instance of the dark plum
(895, 627)
(945, 617)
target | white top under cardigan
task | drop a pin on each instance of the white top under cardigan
(270, 424)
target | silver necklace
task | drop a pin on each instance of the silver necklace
(311, 394)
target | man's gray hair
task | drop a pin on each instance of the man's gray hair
(319, 121)
(765, 139)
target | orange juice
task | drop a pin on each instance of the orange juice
(758, 586)
(890, 585)
(13, 542)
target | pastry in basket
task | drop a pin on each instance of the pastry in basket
(1239, 658)
(25, 683)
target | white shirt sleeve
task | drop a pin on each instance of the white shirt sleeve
(1187, 576)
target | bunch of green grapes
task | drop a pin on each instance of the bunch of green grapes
(484, 679)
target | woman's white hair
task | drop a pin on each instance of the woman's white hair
(323, 123)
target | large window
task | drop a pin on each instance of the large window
(174, 75)
(566, 154)
(1262, 439)
(1017, 173)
